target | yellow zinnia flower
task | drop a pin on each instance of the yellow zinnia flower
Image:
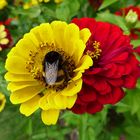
(2, 101)
(45, 69)
(3, 3)
(58, 1)
(44, 1)
(27, 5)
(3, 36)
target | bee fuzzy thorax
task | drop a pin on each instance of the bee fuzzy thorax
(57, 69)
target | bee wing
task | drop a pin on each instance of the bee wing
(51, 71)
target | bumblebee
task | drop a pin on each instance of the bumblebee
(55, 71)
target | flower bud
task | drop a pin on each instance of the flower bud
(131, 17)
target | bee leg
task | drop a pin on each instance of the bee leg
(68, 77)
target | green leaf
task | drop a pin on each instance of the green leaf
(91, 133)
(117, 20)
(2, 67)
(67, 10)
(135, 103)
(107, 3)
(137, 25)
(34, 11)
(135, 43)
(133, 131)
(83, 126)
(63, 12)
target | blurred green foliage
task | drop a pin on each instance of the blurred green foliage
(118, 122)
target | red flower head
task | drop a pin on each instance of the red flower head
(95, 3)
(125, 11)
(5, 37)
(114, 67)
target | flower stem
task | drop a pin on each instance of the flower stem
(83, 126)
(29, 128)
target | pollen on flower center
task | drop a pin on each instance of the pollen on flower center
(50, 66)
(96, 50)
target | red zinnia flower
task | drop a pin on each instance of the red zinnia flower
(124, 12)
(5, 37)
(114, 67)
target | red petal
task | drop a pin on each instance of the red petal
(78, 109)
(130, 81)
(87, 94)
(94, 107)
(89, 80)
(113, 97)
(120, 57)
(116, 82)
(92, 71)
(102, 86)
(110, 70)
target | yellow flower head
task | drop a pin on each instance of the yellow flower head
(2, 101)
(27, 5)
(3, 36)
(58, 1)
(3, 3)
(45, 69)
(44, 1)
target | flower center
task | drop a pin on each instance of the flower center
(51, 66)
(96, 51)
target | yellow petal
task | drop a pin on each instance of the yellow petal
(16, 65)
(79, 50)
(64, 102)
(50, 117)
(47, 101)
(18, 77)
(3, 3)
(77, 76)
(71, 35)
(3, 35)
(43, 103)
(85, 34)
(58, 32)
(58, 1)
(2, 28)
(44, 1)
(44, 33)
(24, 46)
(4, 41)
(51, 101)
(13, 86)
(25, 94)
(26, 6)
(72, 88)
(29, 107)
(84, 63)
(32, 40)
(2, 101)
